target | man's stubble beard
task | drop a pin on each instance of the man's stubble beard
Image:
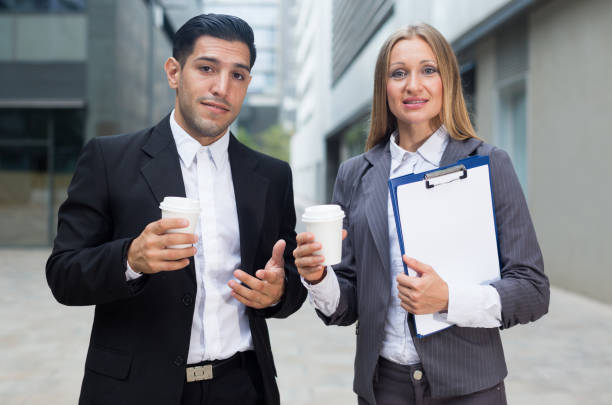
(199, 127)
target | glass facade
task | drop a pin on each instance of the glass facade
(46, 6)
(38, 153)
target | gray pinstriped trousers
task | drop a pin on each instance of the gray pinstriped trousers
(396, 384)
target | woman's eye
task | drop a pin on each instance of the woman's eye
(430, 70)
(398, 74)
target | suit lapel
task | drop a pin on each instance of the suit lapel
(163, 172)
(250, 191)
(456, 150)
(377, 194)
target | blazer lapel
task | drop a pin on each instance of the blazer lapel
(456, 150)
(377, 194)
(250, 190)
(163, 172)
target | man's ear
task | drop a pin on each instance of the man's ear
(173, 72)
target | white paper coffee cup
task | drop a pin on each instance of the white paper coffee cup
(181, 207)
(325, 222)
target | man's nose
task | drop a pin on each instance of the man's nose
(220, 86)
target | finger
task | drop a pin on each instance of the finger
(171, 239)
(407, 307)
(247, 302)
(277, 252)
(304, 237)
(308, 271)
(161, 226)
(310, 261)
(244, 292)
(406, 281)
(416, 265)
(272, 276)
(252, 282)
(405, 292)
(169, 265)
(306, 249)
(344, 234)
(177, 254)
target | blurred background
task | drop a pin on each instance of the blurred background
(534, 73)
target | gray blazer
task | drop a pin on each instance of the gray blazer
(458, 360)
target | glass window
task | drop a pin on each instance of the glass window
(265, 37)
(264, 82)
(512, 133)
(259, 15)
(266, 60)
(32, 188)
(42, 5)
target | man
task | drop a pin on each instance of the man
(173, 326)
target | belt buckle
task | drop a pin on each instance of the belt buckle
(200, 373)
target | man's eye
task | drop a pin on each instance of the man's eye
(206, 69)
(238, 76)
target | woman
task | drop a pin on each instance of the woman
(419, 122)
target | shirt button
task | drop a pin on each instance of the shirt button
(187, 300)
(179, 361)
(418, 374)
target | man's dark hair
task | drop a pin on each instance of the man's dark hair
(222, 26)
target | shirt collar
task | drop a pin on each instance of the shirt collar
(188, 147)
(432, 150)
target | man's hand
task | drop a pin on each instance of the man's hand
(149, 253)
(309, 265)
(267, 287)
(424, 294)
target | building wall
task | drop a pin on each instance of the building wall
(122, 96)
(324, 108)
(570, 161)
(313, 62)
(485, 88)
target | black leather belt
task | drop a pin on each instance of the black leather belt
(207, 370)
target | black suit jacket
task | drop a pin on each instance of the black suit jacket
(141, 329)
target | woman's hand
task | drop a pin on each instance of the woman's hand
(424, 294)
(309, 265)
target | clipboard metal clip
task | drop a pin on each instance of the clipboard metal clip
(445, 176)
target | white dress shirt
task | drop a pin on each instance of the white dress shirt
(468, 306)
(220, 325)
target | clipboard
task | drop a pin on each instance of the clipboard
(446, 218)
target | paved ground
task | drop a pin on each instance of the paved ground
(565, 358)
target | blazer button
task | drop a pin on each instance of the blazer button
(179, 361)
(418, 374)
(187, 300)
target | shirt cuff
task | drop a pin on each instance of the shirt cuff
(324, 295)
(130, 274)
(474, 306)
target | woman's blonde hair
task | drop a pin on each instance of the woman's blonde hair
(454, 114)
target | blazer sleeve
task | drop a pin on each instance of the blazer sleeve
(524, 289)
(295, 293)
(86, 266)
(346, 312)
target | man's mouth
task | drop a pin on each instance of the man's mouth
(216, 107)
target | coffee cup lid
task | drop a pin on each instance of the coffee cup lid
(180, 204)
(319, 213)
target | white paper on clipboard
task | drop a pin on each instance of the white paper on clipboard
(449, 220)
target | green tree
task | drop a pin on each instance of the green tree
(273, 141)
